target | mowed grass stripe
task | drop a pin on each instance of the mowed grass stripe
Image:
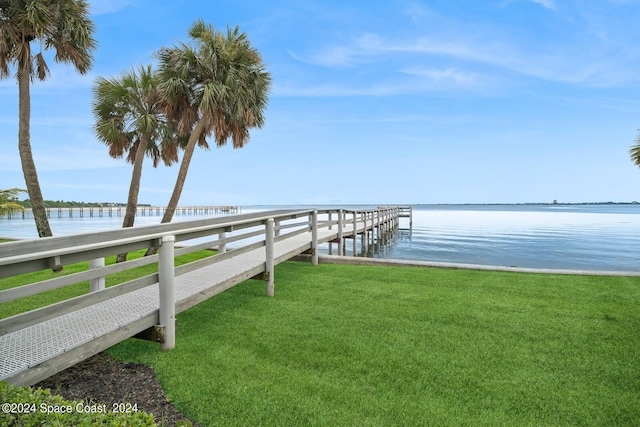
(353, 345)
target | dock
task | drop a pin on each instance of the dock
(110, 211)
(41, 342)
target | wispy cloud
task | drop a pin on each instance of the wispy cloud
(403, 82)
(338, 90)
(564, 63)
(447, 75)
(416, 12)
(549, 4)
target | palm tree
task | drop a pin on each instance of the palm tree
(634, 151)
(61, 25)
(128, 118)
(8, 200)
(217, 85)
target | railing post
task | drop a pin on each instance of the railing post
(96, 284)
(277, 228)
(330, 226)
(222, 247)
(314, 238)
(355, 232)
(269, 262)
(166, 274)
(340, 238)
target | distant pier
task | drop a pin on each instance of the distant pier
(117, 211)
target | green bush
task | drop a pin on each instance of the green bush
(24, 406)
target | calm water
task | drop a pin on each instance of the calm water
(590, 237)
(594, 237)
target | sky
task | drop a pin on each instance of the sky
(372, 102)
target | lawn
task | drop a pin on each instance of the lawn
(379, 346)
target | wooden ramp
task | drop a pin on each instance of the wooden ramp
(37, 351)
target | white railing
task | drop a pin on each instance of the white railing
(244, 232)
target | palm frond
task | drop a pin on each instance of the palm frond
(634, 152)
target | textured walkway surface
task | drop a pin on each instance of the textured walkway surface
(36, 352)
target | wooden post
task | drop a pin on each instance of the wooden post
(355, 231)
(269, 263)
(166, 275)
(277, 228)
(340, 226)
(222, 247)
(373, 226)
(96, 284)
(330, 226)
(314, 238)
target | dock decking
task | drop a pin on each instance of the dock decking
(37, 344)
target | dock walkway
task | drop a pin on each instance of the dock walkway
(38, 344)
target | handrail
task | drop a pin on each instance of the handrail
(33, 255)
(39, 254)
(260, 241)
(85, 246)
(57, 245)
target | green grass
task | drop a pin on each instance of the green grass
(381, 346)
(21, 305)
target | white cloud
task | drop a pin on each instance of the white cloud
(549, 4)
(447, 75)
(424, 80)
(416, 12)
(599, 66)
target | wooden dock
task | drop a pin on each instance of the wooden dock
(110, 211)
(39, 343)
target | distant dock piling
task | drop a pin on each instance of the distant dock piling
(406, 212)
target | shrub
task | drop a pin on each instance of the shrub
(25, 406)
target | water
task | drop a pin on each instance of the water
(590, 237)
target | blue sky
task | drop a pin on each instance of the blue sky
(492, 101)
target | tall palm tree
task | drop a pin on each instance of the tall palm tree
(8, 201)
(61, 25)
(128, 118)
(215, 85)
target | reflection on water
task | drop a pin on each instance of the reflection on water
(593, 237)
(600, 237)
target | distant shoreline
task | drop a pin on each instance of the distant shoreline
(528, 204)
(67, 205)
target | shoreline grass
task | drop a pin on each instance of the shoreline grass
(354, 345)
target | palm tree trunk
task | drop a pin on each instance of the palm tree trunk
(182, 176)
(26, 156)
(182, 173)
(134, 189)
